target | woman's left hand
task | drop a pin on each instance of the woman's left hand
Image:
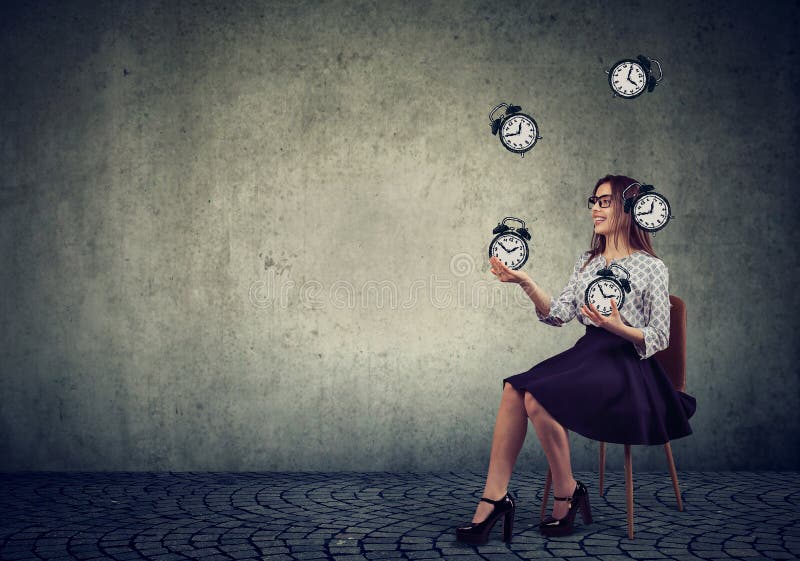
(611, 323)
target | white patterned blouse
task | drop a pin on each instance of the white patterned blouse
(646, 306)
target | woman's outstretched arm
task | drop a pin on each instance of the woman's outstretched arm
(541, 299)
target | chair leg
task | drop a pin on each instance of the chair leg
(674, 474)
(548, 480)
(629, 488)
(602, 467)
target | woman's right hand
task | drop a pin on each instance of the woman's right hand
(506, 274)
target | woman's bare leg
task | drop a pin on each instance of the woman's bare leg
(509, 434)
(555, 442)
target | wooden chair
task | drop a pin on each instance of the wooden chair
(673, 360)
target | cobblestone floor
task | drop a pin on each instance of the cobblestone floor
(357, 516)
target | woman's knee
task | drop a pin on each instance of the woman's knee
(512, 396)
(531, 405)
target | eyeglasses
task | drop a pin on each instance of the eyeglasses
(605, 201)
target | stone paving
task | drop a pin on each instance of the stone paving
(374, 515)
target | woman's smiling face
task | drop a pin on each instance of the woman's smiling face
(601, 217)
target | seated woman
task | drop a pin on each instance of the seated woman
(607, 387)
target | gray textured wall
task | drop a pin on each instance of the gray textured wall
(167, 168)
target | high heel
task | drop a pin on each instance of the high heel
(477, 533)
(579, 500)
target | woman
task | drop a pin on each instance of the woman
(607, 387)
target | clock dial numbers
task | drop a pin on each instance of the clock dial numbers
(640, 206)
(600, 294)
(511, 250)
(651, 211)
(509, 128)
(519, 132)
(628, 79)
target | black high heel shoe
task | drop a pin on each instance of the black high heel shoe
(579, 500)
(477, 533)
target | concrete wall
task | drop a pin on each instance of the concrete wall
(191, 193)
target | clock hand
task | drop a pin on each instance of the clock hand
(504, 247)
(519, 128)
(651, 205)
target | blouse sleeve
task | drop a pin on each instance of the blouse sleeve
(656, 314)
(564, 308)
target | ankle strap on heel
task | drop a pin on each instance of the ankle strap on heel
(498, 501)
(569, 499)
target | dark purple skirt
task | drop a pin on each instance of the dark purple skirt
(601, 389)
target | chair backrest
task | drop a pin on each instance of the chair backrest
(673, 358)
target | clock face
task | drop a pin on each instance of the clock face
(627, 78)
(510, 249)
(651, 212)
(600, 292)
(519, 133)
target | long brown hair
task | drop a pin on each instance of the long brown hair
(621, 222)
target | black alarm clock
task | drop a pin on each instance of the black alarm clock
(510, 245)
(629, 78)
(518, 131)
(651, 210)
(605, 287)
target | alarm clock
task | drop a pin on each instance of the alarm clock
(651, 210)
(605, 287)
(629, 78)
(518, 132)
(510, 245)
